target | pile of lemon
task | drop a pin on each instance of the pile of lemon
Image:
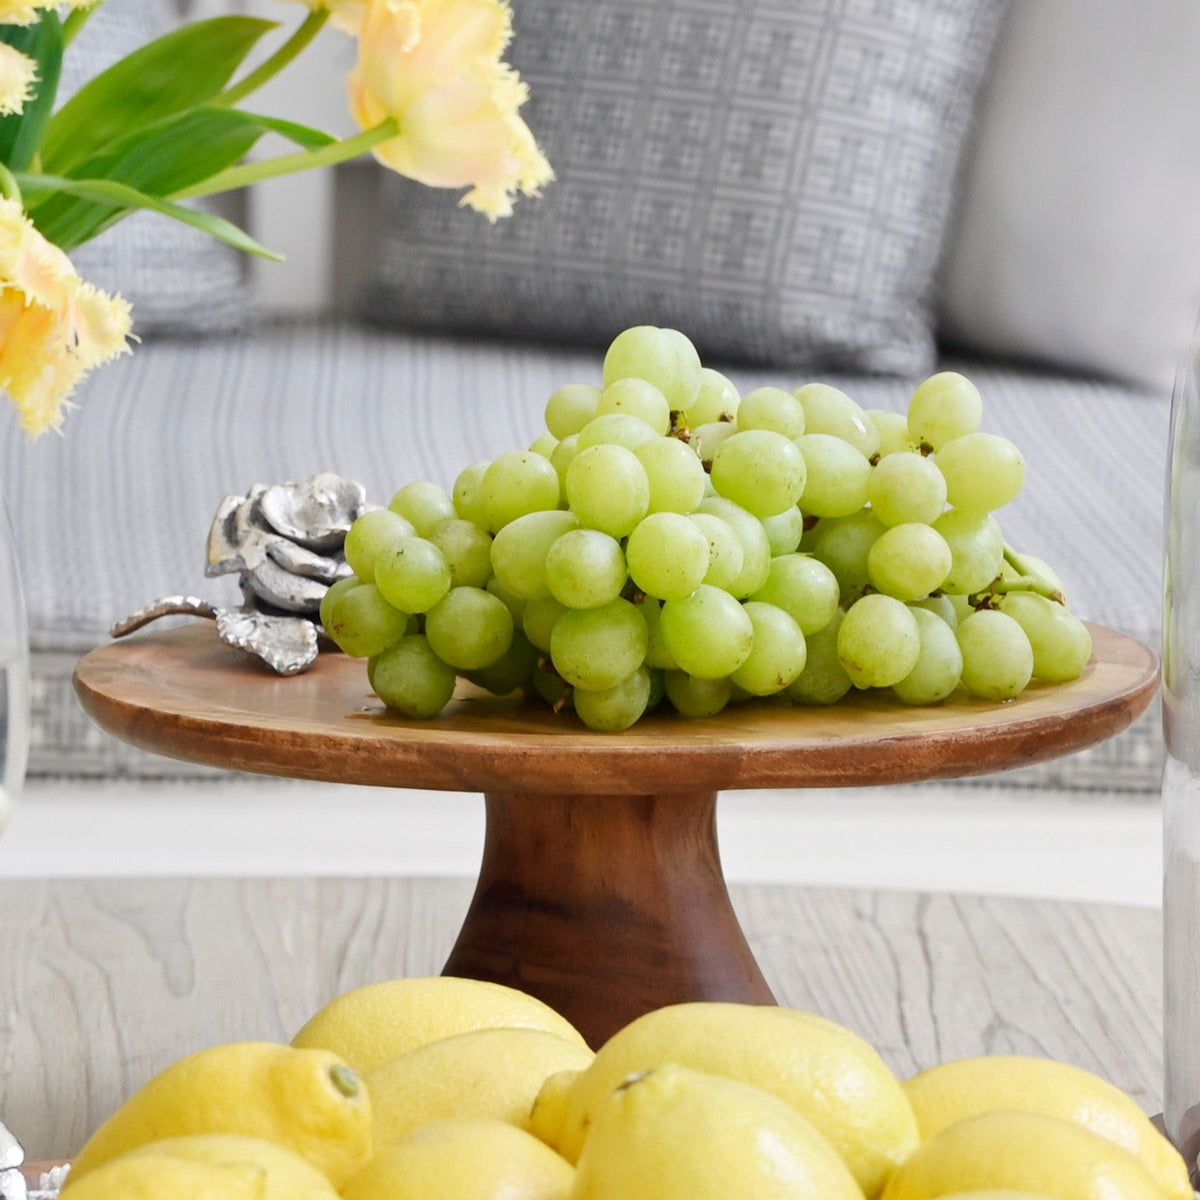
(452, 1089)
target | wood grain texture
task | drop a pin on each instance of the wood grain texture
(106, 982)
(606, 907)
(183, 694)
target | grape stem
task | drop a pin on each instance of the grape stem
(1027, 581)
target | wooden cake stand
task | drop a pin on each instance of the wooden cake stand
(601, 889)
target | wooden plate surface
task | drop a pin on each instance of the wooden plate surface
(183, 694)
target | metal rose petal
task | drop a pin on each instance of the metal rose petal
(316, 512)
(287, 645)
(253, 549)
(301, 561)
(12, 1185)
(12, 1154)
(281, 589)
(222, 534)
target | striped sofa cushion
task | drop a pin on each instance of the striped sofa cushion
(116, 512)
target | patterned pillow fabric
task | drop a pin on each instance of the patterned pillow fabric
(178, 279)
(774, 178)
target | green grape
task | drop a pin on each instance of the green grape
(942, 606)
(519, 551)
(561, 459)
(905, 488)
(410, 678)
(537, 622)
(878, 642)
(997, 656)
(597, 648)
(784, 531)
(514, 604)
(617, 707)
(667, 555)
(552, 688)
(336, 590)
(716, 400)
(708, 633)
(845, 547)
(370, 535)
(961, 604)
(824, 679)
(656, 652)
(828, 410)
(663, 357)
(909, 561)
(586, 568)
(804, 587)
(511, 670)
(657, 689)
(983, 472)
(693, 697)
(1041, 570)
(636, 398)
(362, 623)
(708, 439)
(544, 445)
(468, 494)
(771, 408)
(468, 551)
(976, 549)
(608, 489)
(939, 663)
(838, 476)
(725, 555)
(945, 406)
(412, 575)
(469, 628)
(756, 549)
(570, 408)
(517, 483)
(675, 474)
(777, 656)
(1061, 643)
(423, 505)
(615, 429)
(760, 470)
(892, 428)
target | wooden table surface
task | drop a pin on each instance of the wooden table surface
(103, 983)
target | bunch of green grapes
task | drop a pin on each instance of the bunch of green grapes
(669, 541)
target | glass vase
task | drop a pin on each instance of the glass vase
(14, 673)
(1181, 772)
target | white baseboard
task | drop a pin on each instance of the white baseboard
(933, 838)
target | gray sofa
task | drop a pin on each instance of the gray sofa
(1011, 227)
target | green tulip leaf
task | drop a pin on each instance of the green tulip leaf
(179, 71)
(21, 132)
(160, 160)
(120, 199)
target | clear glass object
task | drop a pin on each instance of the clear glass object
(1181, 774)
(14, 674)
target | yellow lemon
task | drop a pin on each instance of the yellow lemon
(285, 1175)
(155, 1177)
(827, 1073)
(995, 1194)
(464, 1159)
(968, 1086)
(485, 1073)
(1024, 1152)
(376, 1023)
(673, 1132)
(307, 1100)
(548, 1116)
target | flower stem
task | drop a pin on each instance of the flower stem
(74, 21)
(287, 164)
(10, 189)
(271, 67)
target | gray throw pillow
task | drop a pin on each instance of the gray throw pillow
(773, 178)
(178, 279)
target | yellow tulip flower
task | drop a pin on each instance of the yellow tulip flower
(17, 75)
(435, 67)
(54, 327)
